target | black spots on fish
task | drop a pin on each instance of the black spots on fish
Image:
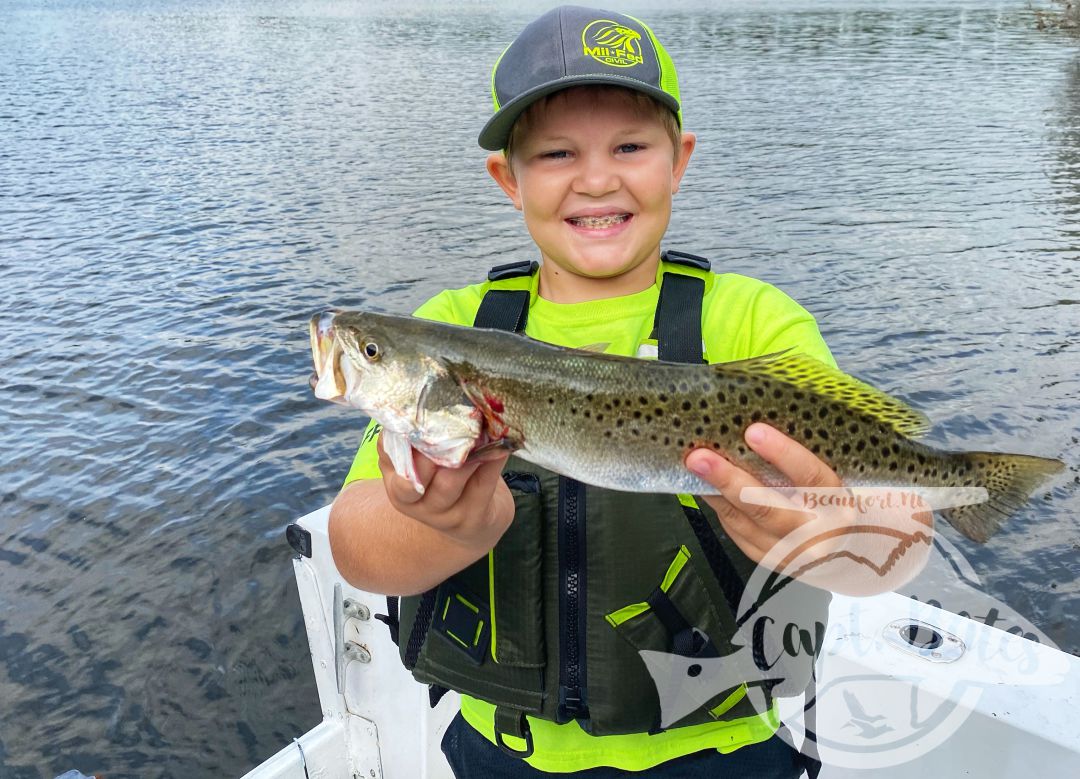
(637, 414)
(790, 428)
(853, 428)
(680, 443)
(885, 451)
(599, 416)
(777, 393)
(686, 405)
(658, 411)
(921, 458)
(589, 397)
(860, 445)
(740, 379)
(895, 448)
(654, 438)
(798, 395)
(755, 416)
(808, 434)
(772, 414)
(676, 423)
(635, 431)
(807, 416)
(793, 408)
(724, 429)
(667, 440)
(716, 446)
(551, 401)
(699, 431)
(911, 467)
(616, 402)
(737, 419)
(893, 465)
(874, 440)
(619, 422)
(643, 400)
(845, 448)
(607, 434)
(743, 400)
(823, 434)
(706, 419)
(703, 404)
(663, 398)
(609, 407)
(827, 453)
(815, 448)
(684, 387)
(740, 449)
(721, 397)
(587, 414)
(823, 412)
(573, 411)
(759, 391)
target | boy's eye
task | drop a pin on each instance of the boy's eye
(628, 148)
(556, 154)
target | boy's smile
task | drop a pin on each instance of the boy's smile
(594, 175)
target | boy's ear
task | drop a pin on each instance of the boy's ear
(682, 159)
(498, 167)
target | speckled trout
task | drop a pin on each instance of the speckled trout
(628, 424)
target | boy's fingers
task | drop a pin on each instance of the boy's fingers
(799, 464)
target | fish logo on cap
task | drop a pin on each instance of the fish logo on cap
(612, 43)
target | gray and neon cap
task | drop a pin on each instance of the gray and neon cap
(571, 46)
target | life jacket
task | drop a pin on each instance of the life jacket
(551, 623)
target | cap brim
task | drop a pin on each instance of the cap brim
(497, 131)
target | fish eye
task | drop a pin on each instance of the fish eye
(371, 350)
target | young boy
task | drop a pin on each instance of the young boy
(587, 143)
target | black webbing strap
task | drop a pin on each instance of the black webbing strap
(420, 628)
(723, 569)
(512, 722)
(811, 758)
(503, 309)
(686, 640)
(390, 618)
(678, 318)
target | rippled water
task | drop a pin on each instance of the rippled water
(182, 184)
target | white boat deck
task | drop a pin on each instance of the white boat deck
(1007, 707)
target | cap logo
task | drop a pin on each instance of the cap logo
(612, 43)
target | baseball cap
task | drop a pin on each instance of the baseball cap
(570, 46)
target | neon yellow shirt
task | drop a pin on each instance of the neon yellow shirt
(742, 318)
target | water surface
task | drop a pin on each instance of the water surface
(182, 184)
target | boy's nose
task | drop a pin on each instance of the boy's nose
(595, 177)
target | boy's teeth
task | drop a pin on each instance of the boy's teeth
(599, 221)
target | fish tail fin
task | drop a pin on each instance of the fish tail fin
(1009, 480)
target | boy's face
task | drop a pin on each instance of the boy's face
(594, 176)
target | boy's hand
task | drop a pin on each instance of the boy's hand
(470, 505)
(858, 554)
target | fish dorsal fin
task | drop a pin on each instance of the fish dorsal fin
(812, 375)
(599, 348)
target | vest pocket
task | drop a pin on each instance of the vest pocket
(481, 632)
(516, 579)
(679, 620)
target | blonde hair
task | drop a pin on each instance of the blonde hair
(639, 101)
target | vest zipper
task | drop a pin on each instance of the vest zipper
(572, 691)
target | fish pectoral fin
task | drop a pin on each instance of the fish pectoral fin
(400, 452)
(812, 375)
(598, 348)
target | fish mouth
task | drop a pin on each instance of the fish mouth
(328, 379)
